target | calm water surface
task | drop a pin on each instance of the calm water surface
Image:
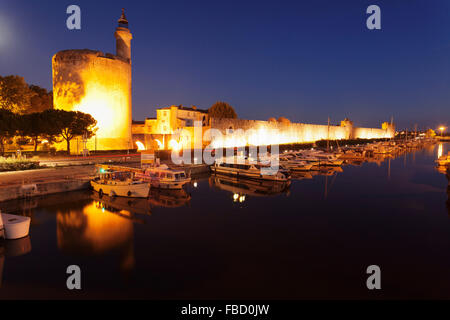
(237, 239)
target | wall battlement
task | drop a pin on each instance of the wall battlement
(239, 132)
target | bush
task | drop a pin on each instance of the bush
(10, 164)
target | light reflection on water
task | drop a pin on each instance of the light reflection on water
(230, 238)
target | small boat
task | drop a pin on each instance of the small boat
(290, 162)
(444, 160)
(319, 158)
(14, 227)
(251, 170)
(162, 177)
(120, 184)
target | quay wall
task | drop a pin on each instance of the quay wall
(42, 188)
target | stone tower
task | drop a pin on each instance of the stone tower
(93, 82)
(123, 38)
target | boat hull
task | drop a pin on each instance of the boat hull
(140, 190)
(247, 174)
(171, 185)
(15, 227)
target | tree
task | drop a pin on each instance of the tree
(284, 120)
(222, 110)
(70, 124)
(8, 123)
(41, 99)
(15, 95)
(33, 125)
(272, 120)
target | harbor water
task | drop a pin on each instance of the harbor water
(223, 238)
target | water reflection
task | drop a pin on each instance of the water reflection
(2, 262)
(93, 229)
(122, 206)
(13, 248)
(169, 198)
(241, 188)
(448, 190)
(407, 208)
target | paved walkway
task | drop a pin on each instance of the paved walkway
(45, 175)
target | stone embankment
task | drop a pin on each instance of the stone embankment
(32, 183)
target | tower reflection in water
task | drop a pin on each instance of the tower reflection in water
(13, 248)
(105, 224)
(95, 229)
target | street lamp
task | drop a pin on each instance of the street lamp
(442, 128)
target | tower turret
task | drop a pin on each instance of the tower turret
(123, 38)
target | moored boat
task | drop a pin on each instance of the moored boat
(163, 177)
(14, 227)
(444, 160)
(291, 163)
(250, 170)
(120, 184)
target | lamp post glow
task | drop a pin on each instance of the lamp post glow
(441, 129)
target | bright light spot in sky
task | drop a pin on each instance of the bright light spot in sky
(5, 33)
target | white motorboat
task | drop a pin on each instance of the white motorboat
(14, 227)
(120, 184)
(290, 162)
(163, 177)
(319, 158)
(250, 170)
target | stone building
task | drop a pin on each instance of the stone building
(173, 127)
(99, 84)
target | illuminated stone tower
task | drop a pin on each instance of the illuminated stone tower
(123, 38)
(99, 84)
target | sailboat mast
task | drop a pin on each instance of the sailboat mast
(328, 136)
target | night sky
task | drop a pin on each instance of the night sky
(305, 60)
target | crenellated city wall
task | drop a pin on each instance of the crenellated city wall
(239, 132)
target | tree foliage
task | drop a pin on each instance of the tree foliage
(284, 120)
(41, 99)
(70, 124)
(15, 95)
(18, 97)
(222, 110)
(8, 127)
(49, 125)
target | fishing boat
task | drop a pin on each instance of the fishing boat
(251, 170)
(163, 177)
(14, 227)
(120, 184)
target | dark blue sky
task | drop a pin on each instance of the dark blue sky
(305, 60)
